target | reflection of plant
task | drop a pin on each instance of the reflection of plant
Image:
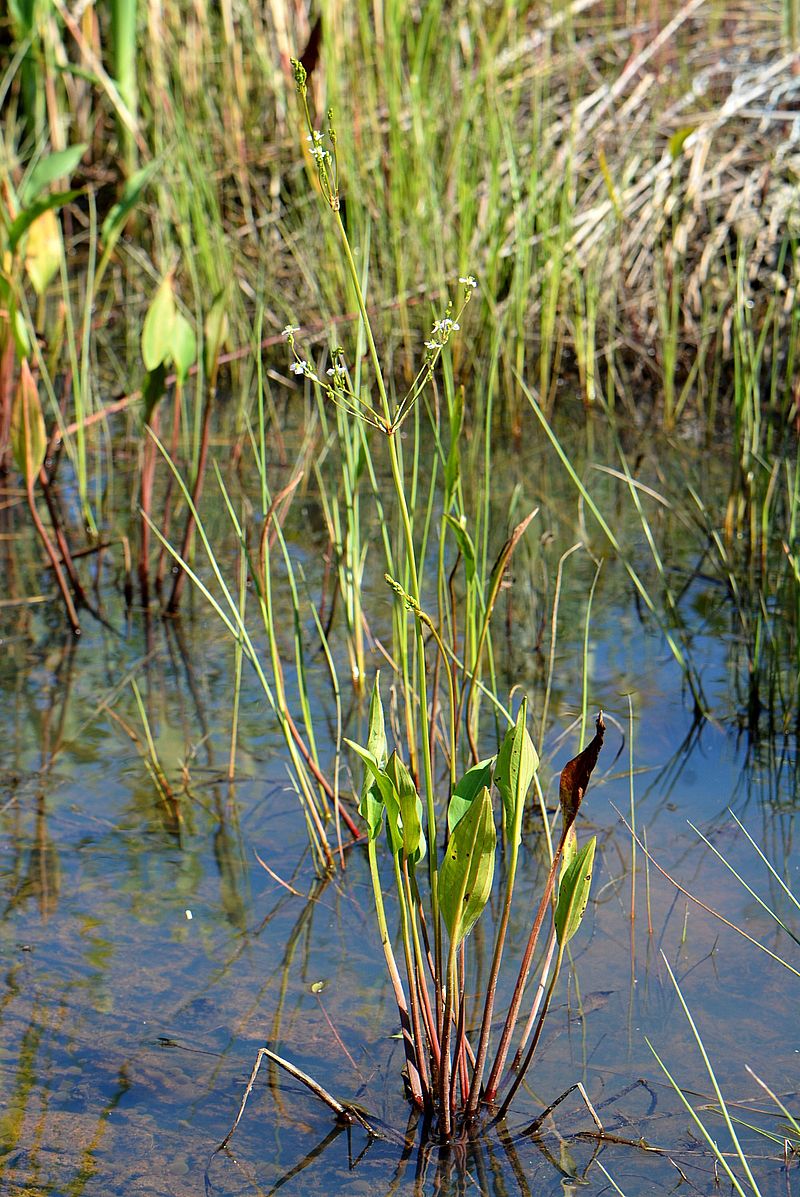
(790, 1132)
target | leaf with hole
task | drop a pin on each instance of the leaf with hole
(573, 893)
(465, 878)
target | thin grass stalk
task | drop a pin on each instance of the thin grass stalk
(238, 658)
(537, 999)
(721, 1100)
(496, 1073)
(394, 976)
(526, 1063)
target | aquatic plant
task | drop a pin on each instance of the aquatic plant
(445, 1072)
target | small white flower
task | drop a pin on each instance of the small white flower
(336, 372)
(301, 367)
(432, 345)
(290, 330)
(446, 326)
(315, 137)
(319, 153)
(469, 280)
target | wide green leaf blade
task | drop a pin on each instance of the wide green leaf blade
(54, 166)
(465, 879)
(409, 805)
(184, 346)
(158, 326)
(517, 762)
(573, 893)
(467, 790)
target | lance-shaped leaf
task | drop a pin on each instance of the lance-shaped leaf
(517, 762)
(464, 541)
(410, 807)
(372, 802)
(576, 773)
(573, 893)
(376, 791)
(467, 790)
(465, 878)
(54, 166)
(28, 436)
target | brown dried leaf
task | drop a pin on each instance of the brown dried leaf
(576, 773)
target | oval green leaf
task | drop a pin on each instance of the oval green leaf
(158, 325)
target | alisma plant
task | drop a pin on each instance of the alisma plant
(445, 1071)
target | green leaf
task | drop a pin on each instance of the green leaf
(465, 545)
(43, 251)
(376, 788)
(158, 325)
(118, 215)
(28, 436)
(19, 327)
(54, 166)
(467, 789)
(215, 331)
(376, 736)
(372, 802)
(184, 346)
(465, 878)
(517, 762)
(410, 807)
(678, 139)
(573, 893)
(23, 222)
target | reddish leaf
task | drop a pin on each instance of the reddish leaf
(576, 773)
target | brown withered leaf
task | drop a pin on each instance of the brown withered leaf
(576, 773)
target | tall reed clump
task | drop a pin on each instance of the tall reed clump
(443, 852)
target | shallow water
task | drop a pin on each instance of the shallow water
(146, 958)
